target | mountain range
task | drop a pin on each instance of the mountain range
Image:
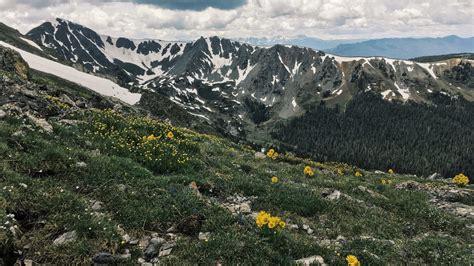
(400, 48)
(236, 89)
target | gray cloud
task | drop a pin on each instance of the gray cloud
(190, 19)
(197, 5)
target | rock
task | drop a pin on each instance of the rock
(3, 114)
(80, 164)
(305, 227)
(121, 187)
(341, 239)
(310, 231)
(41, 123)
(311, 260)
(379, 172)
(245, 208)
(97, 205)
(150, 252)
(104, 258)
(18, 134)
(371, 192)
(334, 195)
(410, 185)
(293, 226)
(260, 156)
(65, 238)
(28, 262)
(165, 252)
(68, 122)
(126, 238)
(144, 242)
(64, 98)
(435, 176)
(204, 236)
(157, 241)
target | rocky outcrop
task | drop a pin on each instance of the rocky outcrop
(12, 62)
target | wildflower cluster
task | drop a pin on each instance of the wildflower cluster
(385, 181)
(358, 174)
(308, 171)
(265, 220)
(57, 102)
(272, 154)
(159, 146)
(461, 180)
(352, 261)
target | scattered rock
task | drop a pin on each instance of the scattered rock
(121, 187)
(41, 123)
(165, 252)
(157, 241)
(371, 192)
(410, 185)
(18, 134)
(204, 236)
(331, 194)
(310, 231)
(341, 239)
(260, 156)
(435, 176)
(245, 208)
(97, 205)
(81, 165)
(3, 114)
(310, 261)
(65, 238)
(126, 238)
(379, 172)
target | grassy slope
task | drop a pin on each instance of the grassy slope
(157, 195)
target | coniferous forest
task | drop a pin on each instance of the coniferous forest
(376, 134)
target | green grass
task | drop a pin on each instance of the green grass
(144, 195)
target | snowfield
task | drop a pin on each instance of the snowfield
(100, 85)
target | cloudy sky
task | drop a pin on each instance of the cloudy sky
(190, 19)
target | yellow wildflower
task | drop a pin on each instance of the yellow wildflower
(390, 171)
(358, 174)
(308, 171)
(340, 172)
(282, 224)
(270, 153)
(461, 180)
(170, 135)
(274, 156)
(352, 260)
(274, 179)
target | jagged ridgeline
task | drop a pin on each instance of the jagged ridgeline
(248, 92)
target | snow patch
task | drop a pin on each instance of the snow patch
(100, 85)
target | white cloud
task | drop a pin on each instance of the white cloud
(320, 18)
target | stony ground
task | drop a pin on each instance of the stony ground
(85, 179)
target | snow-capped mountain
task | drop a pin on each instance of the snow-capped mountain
(239, 85)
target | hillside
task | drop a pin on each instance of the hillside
(88, 179)
(254, 95)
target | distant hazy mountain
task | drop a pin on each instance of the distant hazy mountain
(300, 40)
(405, 48)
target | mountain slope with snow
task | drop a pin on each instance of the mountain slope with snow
(97, 84)
(237, 86)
